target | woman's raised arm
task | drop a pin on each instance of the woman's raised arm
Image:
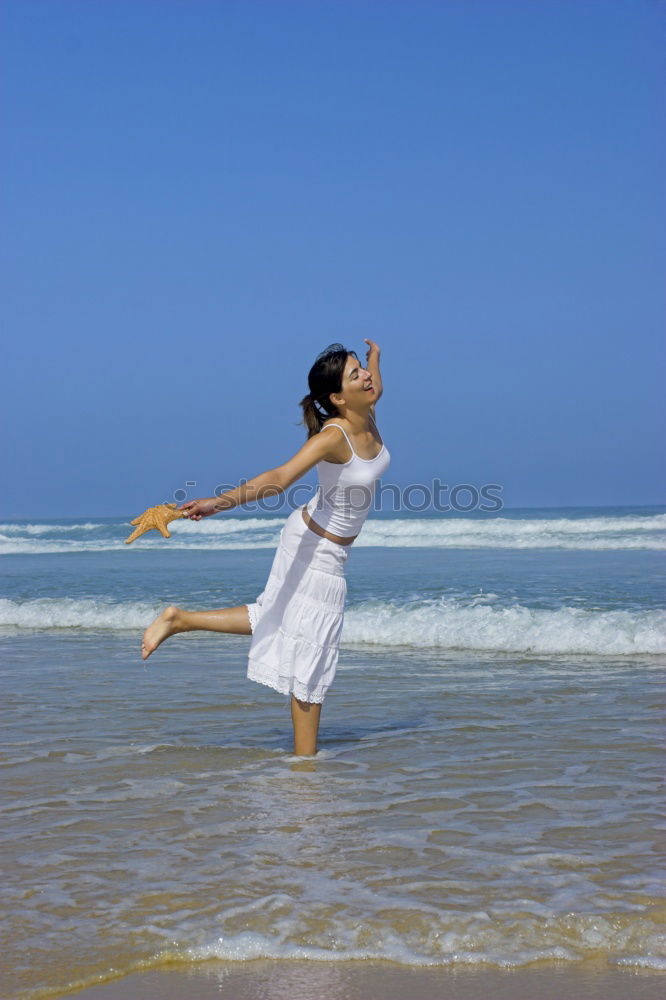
(372, 365)
(267, 484)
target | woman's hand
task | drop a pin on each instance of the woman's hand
(196, 509)
(372, 351)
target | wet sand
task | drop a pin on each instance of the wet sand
(302, 980)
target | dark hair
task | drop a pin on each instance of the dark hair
(324, 377)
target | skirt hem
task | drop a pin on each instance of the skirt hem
(296, 688)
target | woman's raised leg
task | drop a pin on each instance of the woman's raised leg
(174, 620)
(305, 717)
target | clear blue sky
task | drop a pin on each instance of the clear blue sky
(199, 196)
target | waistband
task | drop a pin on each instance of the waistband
(321, 554)
(318, 530)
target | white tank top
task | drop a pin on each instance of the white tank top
(345, 491)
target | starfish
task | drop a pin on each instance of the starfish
(155, 517)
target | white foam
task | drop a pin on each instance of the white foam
(525, 533)
(644, 962)
(449, 623)
(478, 623)
(229, 532)
(30, 547)
(69, 612)
(43, 528)
(462, 939)
(227, 525)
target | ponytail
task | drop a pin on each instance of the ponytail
(312, 418)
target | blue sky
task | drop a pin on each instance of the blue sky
(200, 196)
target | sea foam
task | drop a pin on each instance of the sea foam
(229, 532)
(448, 623)
(444, 623)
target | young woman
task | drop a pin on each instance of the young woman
(296, 621)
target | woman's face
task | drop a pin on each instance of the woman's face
(356, 382)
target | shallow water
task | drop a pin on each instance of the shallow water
(467, 804)
(505, 810)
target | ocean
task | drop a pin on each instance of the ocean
(487, 789)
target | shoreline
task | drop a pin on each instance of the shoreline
(298, 979)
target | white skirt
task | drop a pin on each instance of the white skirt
(297, 621)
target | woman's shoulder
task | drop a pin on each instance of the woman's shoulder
(335, 422)
(338, 444)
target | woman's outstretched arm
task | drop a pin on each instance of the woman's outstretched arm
(269, 483)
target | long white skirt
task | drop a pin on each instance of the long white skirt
(297, 620)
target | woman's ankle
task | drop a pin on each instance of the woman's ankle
(175, 617)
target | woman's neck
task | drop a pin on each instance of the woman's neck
(359, 422)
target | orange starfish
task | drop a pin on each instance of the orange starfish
(155, 517)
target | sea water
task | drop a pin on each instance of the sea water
(487, 788)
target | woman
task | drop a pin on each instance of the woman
(296, 622)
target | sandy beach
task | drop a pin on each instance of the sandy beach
(284, 980)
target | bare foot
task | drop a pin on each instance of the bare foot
(164, 625)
